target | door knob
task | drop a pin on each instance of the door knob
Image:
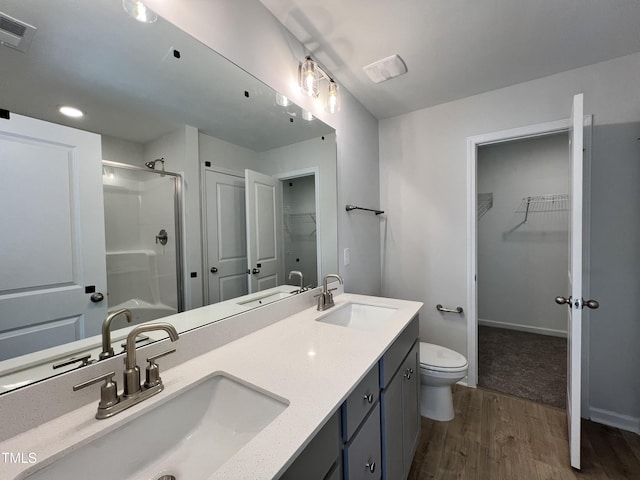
(563, 300)
(255, 271)
(591, 304)
(214, 270)
(97, 297)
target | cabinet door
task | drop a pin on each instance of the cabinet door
(392, 425)
(401, 417)
(410, 405)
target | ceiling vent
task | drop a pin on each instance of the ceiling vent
(14, 33)
(386, 69)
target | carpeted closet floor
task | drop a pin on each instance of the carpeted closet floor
(523, 364)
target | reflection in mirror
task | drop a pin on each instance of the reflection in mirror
(153, 96)
(143, 240)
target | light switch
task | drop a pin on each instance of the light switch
(347, 256)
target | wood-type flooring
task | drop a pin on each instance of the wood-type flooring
(496, 436)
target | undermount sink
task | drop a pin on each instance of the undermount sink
(187, 438)
(358, 315)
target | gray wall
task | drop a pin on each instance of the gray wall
(423, 164)
(270, 52)
(522, 267)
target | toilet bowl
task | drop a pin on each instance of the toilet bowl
(440, 368)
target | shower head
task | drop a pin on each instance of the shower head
(152, 163)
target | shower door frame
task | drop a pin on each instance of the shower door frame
(177, 208)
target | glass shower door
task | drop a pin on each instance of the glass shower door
(143, 242)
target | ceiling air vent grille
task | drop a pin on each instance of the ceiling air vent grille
(14, 33)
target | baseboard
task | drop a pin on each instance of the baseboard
(613, 419)
(522, 328)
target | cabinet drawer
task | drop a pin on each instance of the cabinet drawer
(318, 458)
(358, 404)
(391, 360)
(363, 455)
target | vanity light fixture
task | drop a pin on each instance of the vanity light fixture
(139, 11)
(309, 76)
(71, 112)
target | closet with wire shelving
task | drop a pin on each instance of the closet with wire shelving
(522, 252)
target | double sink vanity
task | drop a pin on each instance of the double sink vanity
(283, 391)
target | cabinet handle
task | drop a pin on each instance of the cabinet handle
(407, 373)
(371, 465)
(369, 397)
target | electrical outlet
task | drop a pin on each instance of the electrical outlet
(347, 256)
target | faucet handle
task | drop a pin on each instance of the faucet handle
(152, 377)
(108, 391)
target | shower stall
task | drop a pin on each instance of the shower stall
(143, 241)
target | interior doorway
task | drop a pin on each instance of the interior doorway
(300, 227)
(475, 205)
(522, 255)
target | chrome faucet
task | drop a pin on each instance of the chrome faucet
(110, 402)
(107, 349)
(299, 274)
(325, 299)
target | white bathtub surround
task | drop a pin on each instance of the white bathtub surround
(297, 358)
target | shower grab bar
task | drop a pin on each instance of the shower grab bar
(440, 308)
(348, 208)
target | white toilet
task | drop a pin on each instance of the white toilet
(440, 368)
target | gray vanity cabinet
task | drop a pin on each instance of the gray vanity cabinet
(401, 417)
(362, 454)
(320, 460)
(362, 451)
(400, 402)
(377, 426)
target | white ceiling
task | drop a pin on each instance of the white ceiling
(456, 48)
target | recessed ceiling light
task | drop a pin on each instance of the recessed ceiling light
(71, 112)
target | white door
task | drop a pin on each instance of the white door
(226, 240)
(52, 242)
(264, 227)
(574, 327)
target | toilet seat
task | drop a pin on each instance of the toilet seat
(441, 359)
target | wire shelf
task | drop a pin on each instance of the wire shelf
(485, 203)
(554, 202)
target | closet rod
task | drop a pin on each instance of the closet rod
(348, 208)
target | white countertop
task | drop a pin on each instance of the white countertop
(313, 365)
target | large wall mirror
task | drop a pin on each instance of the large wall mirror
(152, 201)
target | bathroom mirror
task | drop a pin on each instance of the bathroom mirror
(141, 85)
